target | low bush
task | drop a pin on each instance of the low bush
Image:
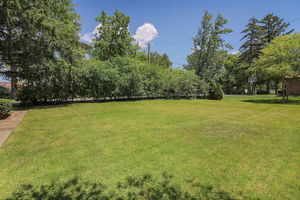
(4, 92)
(216, 92)
(143, 187)
(5, 107)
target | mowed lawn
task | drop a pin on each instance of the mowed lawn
(246, 146)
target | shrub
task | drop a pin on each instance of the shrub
(54, 81)
(72, 189)
(148, 188)
(216, 92)
(117, 77)
(5, 107)
(142, 187)
(4, 92)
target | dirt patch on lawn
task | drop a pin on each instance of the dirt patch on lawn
(9, 124)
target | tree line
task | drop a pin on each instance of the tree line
(41, 50)
(269, 52)
(118, 77)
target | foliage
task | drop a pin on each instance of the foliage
(36, 32)
(5, 107)
(143, 187)
(250, 49)
(215, 92)
(113, 37)
(280, 58)
(161, 60)
(54, 82)
(117, 77)
(4, 92)
(95, 79)
(258, 34)
(155, 58)
(72, 189)
(207, 57)
(272, 27)
(234, 79)
(179, 83)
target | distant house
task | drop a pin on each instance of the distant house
(5, 84)
(290, 86)
(8, 84)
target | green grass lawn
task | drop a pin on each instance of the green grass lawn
(242, 145)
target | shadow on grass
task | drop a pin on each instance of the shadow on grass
(59, 104)
(273, 101)
(40, 107)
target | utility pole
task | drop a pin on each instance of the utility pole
(148, 52)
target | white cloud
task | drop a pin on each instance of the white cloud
(145, 34)
(95, 31)
(88, 37)
(234, 51)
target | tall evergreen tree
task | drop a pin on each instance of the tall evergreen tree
(113, 37)
(33, 32)
(258, 34)
(208, 54)
(272, 27)
(250, 49)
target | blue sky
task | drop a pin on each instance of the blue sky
(171, 24)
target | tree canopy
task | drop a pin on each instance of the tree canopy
(207, 56)
(162, 60)
(272, 27)
(34, 32)
(280, 58)
(250, 49)
(40, 46)
(113, 37)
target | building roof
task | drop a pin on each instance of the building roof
(5, 84)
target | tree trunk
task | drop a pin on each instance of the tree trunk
(268, 87)
(13, 84)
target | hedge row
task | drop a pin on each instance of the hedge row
(5, 107)
(118, 77)
(142, 188)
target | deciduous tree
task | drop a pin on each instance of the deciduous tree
(208, 54)
(113, 37)
(280, 58)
